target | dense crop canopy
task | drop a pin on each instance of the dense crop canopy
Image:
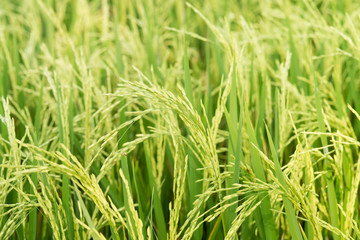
(167, 119)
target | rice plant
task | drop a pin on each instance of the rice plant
(172, 119)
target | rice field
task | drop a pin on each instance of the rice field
(172, 119)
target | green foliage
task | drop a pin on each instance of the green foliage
(155, 119)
